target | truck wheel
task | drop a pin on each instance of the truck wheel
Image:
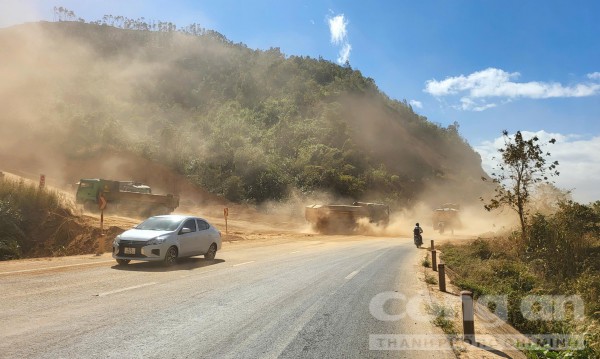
(322, 226)
(90, 206)
(441, 227)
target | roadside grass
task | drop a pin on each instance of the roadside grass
(443, 318)
(425, 262)
(429, 279)
(500, 266)
(26, 213)
(29, 197)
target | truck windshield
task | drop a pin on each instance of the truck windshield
(160, 224)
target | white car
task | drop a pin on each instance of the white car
(166, 238)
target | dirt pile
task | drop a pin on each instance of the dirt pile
(65, 234)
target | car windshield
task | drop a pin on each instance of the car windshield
(160, 224)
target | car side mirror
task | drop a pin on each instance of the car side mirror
(185, 230)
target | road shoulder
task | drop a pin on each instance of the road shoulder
(491, 339)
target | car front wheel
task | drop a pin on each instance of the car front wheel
(123, 262)
(170, 256)
(212, 252)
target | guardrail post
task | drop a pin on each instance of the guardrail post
(433, 260)
(442, 276)
(468, 317)
(432, 246)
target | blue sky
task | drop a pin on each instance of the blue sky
(489, 65)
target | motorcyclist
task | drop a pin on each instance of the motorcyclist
(417, 232)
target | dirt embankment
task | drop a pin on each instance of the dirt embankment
(71, 231)
(67, 230)
(75, 235)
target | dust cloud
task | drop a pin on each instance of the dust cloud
(68, 100)
(475, 221)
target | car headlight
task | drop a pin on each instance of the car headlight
(116, 241)
(157, 240)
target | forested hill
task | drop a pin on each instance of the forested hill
(245, 124)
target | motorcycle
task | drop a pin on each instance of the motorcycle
(418, 240)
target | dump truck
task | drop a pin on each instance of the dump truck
(341, 218)
(126, 197)
(446, 217)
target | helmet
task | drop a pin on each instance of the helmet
(417, 224)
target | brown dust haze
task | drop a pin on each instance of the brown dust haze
(70, 100)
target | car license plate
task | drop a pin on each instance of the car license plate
(129, 250)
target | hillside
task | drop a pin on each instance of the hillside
(88, 100)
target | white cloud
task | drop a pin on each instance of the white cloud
(416, 104)
(496, 83)
(468, 104)
(339, 37)
(578, 157)
(594, 76)
(337, 28)
(344, 54)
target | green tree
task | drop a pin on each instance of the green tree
(523, 165)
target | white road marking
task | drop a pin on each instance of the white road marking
(349, 276)
(241, 264)
(126, 289)
(57, 267)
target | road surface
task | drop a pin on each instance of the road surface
(310, 297)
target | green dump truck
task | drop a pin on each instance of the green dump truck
(125, 197)
(340, 218)
(446, 216)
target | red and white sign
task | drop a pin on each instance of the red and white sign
(101, 202)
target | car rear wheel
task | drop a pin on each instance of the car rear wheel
(123, 262)
(170, 256)
(212, 252)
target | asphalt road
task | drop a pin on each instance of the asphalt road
(317, 297)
